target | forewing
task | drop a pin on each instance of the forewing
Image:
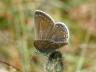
(43, 24)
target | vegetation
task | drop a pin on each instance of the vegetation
(17, 34)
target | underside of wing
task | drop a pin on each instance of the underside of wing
(43, 24)
(60, 33)
(47, 46)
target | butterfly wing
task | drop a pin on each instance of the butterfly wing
(57, 38)
(49, 35)
(60, 33)
(43, 24)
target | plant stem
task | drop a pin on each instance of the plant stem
(55, 63)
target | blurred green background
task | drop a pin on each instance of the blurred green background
(17, 34)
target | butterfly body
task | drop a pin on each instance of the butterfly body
(49, 35)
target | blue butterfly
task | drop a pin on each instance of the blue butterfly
(49, 35)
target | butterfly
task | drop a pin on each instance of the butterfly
(49, 35)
